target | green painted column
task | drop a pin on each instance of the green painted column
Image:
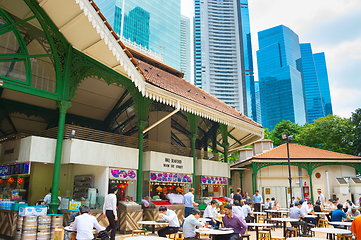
(193, 138)
(225, 146)
(141, 125)
(310, 175)
(63, 107)
(240, 179)
(254, 177)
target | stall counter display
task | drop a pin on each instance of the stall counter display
(128, 215)
(81, 185)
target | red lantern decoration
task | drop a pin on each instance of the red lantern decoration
(200, 190)
(20, 181)
(122, 186)
(170, 188)
(1, 181)
(159, 189)
(10, 181)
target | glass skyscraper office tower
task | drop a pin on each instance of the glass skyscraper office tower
(293, 81)
(155, 25)
(281, 88)
(185, 53)
(223, 64)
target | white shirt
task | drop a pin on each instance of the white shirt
(172, 218)
(322, 198)
(237, 210)
(110, 203)
(210, 212)
(47, 199)
(304, 209)
(246, 209)
(189, 226)
(84, 225)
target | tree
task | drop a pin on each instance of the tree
(284, 127)
(356, 124)
(331, 133)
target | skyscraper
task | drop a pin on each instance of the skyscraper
(258, 102)
(185, 53)
(281, 88)
(223, 64)
(306, 65)
(320, 63)
(148, 25)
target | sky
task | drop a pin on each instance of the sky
(331, 26)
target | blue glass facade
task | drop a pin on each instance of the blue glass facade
(306, 65)
(149, 24)
(281, 87)
(197, 48)
(248, 61)
(321, 68)
(258, 102)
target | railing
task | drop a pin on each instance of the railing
(93, 135)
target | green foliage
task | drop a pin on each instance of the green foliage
(356, 124)
(284, 127)
(331, 133)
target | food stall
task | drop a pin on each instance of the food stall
(129, 212)
(166, 178)
(212, 177)
(14, 184)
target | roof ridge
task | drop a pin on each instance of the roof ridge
(324, 150)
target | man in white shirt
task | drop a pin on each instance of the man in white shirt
(110, 210)
(247, 211)
(47, 199)
(190, 224)
(211, 213)
(237, 209)
(321, 196)
(171, 217)
(84, 224)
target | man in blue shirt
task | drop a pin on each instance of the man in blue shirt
(257, 201)
(189, 203)
(338, 214)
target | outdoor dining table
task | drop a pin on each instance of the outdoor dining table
(275, 211)
(213, 232)
(321, 213)
(304, 238)
(152, 223)
(348, 224)
(284, 220)
(146, 238)
(332, 231)
(256, 225)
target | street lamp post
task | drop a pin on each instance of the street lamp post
(288, 139)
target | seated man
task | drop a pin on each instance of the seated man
(296, 213)
(237, 209)
(247, 211)
(171, 217)
(338, 214)
(190, 224)
(353, 212)
(267, 204)
(276, 206)
(84, 224)
(232, 221)
(211, 213)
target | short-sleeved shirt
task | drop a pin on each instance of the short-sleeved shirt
(235, 222)
(356, 227)
(257, 198)
(237, 197)
(188, 200)
(337, 215)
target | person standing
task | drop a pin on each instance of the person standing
(238, 195)
(171, 217)
(356, 227)
(47, 199)
(232, 221)
(321, 196)
(257, 201)
(190, 224)
(110, 210)
(84, 224)
(246, 198)
(189, 203)
(232, 194)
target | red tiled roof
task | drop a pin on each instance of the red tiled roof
(183, 88)
(173, 83)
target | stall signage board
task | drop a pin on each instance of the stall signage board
(170, 177)
(20, 168)
(123, 174)
(214, 180)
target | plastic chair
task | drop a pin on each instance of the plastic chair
(264, 235)
(138, 232)
(322, 223)
(261, 218)
(291, 232)
(344, 237)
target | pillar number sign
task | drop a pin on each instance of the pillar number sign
(123, 174)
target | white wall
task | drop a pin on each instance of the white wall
(99, 154)
(212, 168)
(156, 161)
